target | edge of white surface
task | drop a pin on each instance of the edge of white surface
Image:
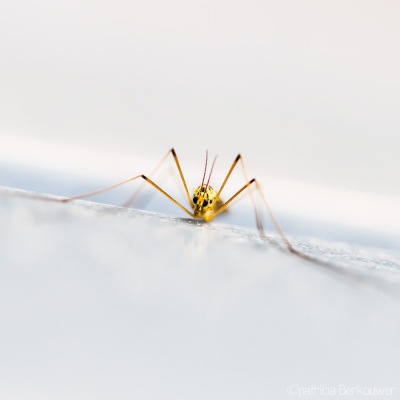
(338, 257)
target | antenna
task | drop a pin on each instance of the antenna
(205, 169)
(212, 167)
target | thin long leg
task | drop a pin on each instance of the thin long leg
(239, 157)
(82, 196)
(126, 181)
(135, 195)
(259, 225)
(338, 270)
(274, 221)
(329, 266)
(229, 174)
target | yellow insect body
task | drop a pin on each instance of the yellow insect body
(204, 200)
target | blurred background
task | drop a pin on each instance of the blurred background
(308, 92)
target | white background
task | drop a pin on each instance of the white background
(306, 90)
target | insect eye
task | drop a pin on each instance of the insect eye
(195, 198)
(205, 203)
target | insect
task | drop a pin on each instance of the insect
(206, 202)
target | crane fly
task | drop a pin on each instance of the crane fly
(206, 202)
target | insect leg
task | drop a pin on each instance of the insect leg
(239, 157)
(126, 181)
(82, 196)
(327, 265)
(135, 195)
(259, 224)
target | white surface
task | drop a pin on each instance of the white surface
(103, 302)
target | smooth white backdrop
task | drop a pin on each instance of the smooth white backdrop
(305, 90)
